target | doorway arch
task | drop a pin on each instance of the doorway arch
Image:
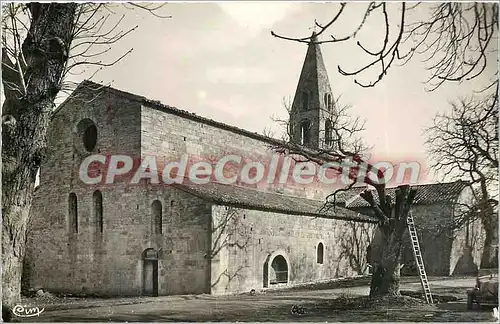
(150, 272)
(276, 269)
(279, 271)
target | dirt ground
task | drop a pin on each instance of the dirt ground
(335, 302)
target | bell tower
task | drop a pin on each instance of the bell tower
(311, 122)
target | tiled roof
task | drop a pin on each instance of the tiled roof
(427, 194)
(247, 198)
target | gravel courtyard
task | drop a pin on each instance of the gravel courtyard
(323, 303)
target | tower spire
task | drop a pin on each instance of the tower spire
(312, 106)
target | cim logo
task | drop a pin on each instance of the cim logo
(24, 311)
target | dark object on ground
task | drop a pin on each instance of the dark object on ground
(298, 310)
(484, 293)
(6, 314)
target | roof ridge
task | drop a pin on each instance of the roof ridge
(157, 104)
(433, 183)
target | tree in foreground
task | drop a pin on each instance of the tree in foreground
(41, 44)
(464, 145)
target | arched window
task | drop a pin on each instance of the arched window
(305, 101)
(328, 132)
(90, 138)
(319, 253)
(97, 198)
(73, 213)
(304, 133)
(156, 213)
(330, 102)
(326, 101)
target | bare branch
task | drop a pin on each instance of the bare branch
(322, 29)
(457, 40)
(151, 9)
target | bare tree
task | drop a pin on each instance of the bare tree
(457, 41)
(41, 44)
(464, 144)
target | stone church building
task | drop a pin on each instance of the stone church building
(149, 239)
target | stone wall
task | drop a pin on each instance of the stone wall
(169, 136)
(435, 238)
(259, 236)
(56, 258)
(111, 262)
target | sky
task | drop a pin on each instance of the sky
(219, 60)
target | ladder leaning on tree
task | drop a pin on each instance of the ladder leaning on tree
(418, 258)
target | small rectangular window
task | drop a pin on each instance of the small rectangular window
(97, 198)
(73, 213)
(305, 133)
(156, 213)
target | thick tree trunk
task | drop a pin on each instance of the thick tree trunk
(25, 117)
(386, 271)
(388, 241)
(20, 164)
(13, 243)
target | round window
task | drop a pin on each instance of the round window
(86, 135)
(90, 138)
